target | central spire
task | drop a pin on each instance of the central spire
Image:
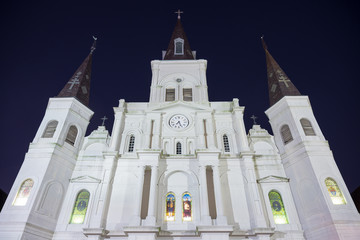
(179, 47)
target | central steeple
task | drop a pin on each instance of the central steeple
(179, 47)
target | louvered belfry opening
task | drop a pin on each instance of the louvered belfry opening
(286, 134)
(307, 127)
(71, 136)
(50, 129)
(187, 94)
(170, 94)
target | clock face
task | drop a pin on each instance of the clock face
(178, 121)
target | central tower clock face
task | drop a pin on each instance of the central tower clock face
(178, 121)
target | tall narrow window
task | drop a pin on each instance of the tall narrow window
(187, 94)
(80, 207)
(286, 134)
(24, 192)
(71, 135)
(170, 94)
(178, 148)
(335, 193)
(170, 207)
(179, 46)
(131, 143)
(308, 129)
(226, 143)
(50, 129)
(187, 212)
(211, 193)
(277, 207)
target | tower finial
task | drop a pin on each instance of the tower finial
(253, 117)
(178, 13)
(263, 42)
(93, 47)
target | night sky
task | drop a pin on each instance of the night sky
(315, 42)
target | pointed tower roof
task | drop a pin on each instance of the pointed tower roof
(184, 51)
(279, 83)
(79, 84)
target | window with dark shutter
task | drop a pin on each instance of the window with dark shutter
(50, 129)
(71, 135)
(226, 143)
(286, 134)
(170, 94)
(187, 94)
(308, 129)
(178, 148)
(131, 143)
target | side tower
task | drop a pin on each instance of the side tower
(322, 199)
(32, 207)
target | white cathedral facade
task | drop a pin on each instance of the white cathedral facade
(179, 167)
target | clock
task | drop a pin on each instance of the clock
(178, 121)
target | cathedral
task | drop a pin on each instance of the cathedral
(179, 167)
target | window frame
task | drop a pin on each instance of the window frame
(283, 130)
(226, 143)
(186, 92)
(307, 127)
(49, 131)
(176, 46)
(131, 144)
(168, 97)
(17, 198)
(68, 138)
(75, 207)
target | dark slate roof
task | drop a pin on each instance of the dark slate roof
(79, 84)
(279, 83)
(178, 33)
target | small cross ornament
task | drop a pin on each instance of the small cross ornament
(104, 119)
(178, 13)
(254, 119)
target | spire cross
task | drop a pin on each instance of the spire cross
(93, 47)
(75, 80)
(254, 119)
(178, 13)
(283, 79)
(104, 119)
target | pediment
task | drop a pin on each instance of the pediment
(273, 179)
(180, 104)
(85, 179)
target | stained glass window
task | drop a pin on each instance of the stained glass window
(24, 192)
(170, 207)
(80, 207)
(187, 211)
(50, 129)
(226, 143)
(335, 193)
(131, 143)
(277, 207)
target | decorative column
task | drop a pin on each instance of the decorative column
(136, 220)
(210, 132)
(200, 133)
(118, 124)
(151, 216)
(221, 219)
(204, 205)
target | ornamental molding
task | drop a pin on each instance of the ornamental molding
(85, 179)
(272, 179)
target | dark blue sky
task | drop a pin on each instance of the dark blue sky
(315, 42)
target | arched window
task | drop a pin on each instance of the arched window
(187, 207)
(226, 143)
(170, 94)
(178, 148)
(80, 207)
(308, 129)
(286, 134)
(170, 207)
(24, 192)
(179, 46)
(71, 135)
(50, 129)
(277, 207)
(335, 193)
(131, 143)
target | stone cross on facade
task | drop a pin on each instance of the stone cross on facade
(254, 119)
(283, 79)
(178, 13)
(104, 119)
(75, 80)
